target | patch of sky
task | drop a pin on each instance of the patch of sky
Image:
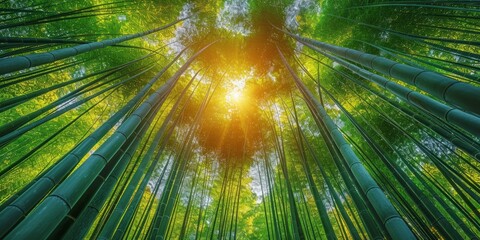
(185, 31)
(233, 17)
(296, 8)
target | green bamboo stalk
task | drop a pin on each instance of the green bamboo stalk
(207, 179)
(392, 221)
(18, 78)
(419, 5)
(439, 199)
(426, 205)
(375, 228)
(45, 142)
(69, 192)
(272, 194)
(113, 169)
(143, 223)
(39, 176)
(411, 36)
(239, 189)
(220, 201)
(7, 130)
(121, 215)
(60, 201)
(420, 58)
(456, 178)
(469, 122)
(73, 14)
(129, 205)
(186, 217)
(458, 139)
(39, 40)
(178, 175)
(322, 211)
(161, 220)
(82, 223)
(7, 138)
(447, 207)
(298, 232)
(277, 195)
(405, 207)
(12, 102)
(301, 138)
(460, 94)
(231, 209)
(27, 200)
(13, 64)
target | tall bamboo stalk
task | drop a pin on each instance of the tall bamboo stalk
(395, 225)
(463, 95)
(49, 213)
(8, 65)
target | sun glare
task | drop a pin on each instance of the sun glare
(234, 96)
(234, 92)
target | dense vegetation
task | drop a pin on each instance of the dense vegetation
(294, 119)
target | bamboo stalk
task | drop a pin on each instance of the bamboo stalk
(395, 225)
(13, 64)
(463, 95)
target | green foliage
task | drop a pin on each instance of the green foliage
(243, 120)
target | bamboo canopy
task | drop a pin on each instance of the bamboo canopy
(232, 119)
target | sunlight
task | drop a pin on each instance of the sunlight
(235, 91)
(244, 119)
(234, 96)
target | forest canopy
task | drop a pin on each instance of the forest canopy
(231, 119)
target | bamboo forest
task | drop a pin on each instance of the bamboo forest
(239, 119)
